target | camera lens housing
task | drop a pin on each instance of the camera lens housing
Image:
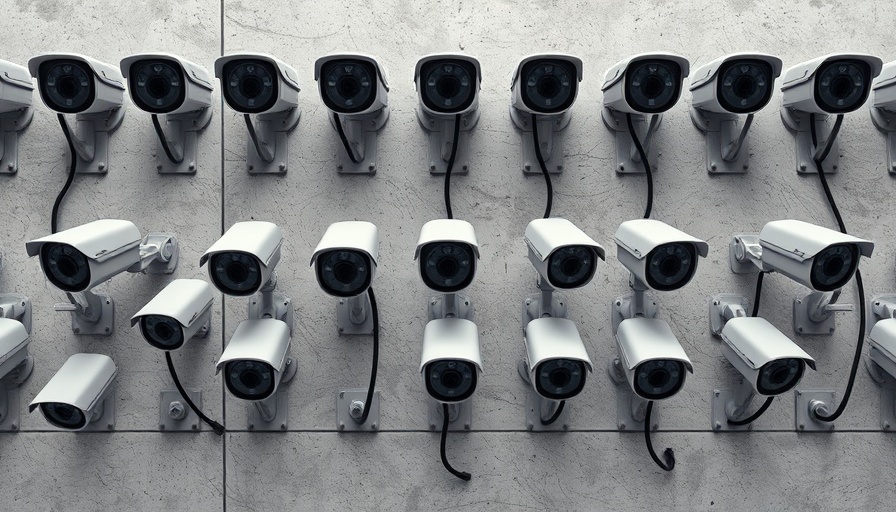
(448, 85)
(157, 85)
(780, 376)
(451, 380)
(62, 415)
(251, 86)
(344, 272)
(162, 332)
(250, 380)
(671, 266)
(572, 266)
(348, 86)
(548, 85)
(66, 85)
(66, 267)
(236, 273)
(560, 379)
(842, 85)
(657, 379)
(447, 267)
(834, 266)
(653, 86)
(745, 85)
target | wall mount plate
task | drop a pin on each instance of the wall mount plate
(362, 132)
(885, 121)
(549, 137)
(441, 137)
(803, 419)
(93, 131)
(11, 126)
(717, 305)
(463, 304)
(870, 317)
(344, 324)
(17, 300)
(538, 407)
(721, 130)
(183, 130)
(797, 122)
(158, 266)
(190, 422)
(532, 308)
(344, 420)
(803, 324)
(273, 129)
(10, 416)
(105, 326)
(622, 306)
(460, 415)
(625, 421)
(281, 304)
(280, 421)
(625, 146)
(719, 416)
(887, 387)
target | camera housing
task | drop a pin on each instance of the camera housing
(81, 395)
(557, 363)
(564, 256)
(242, 261)
(16, 366)
(883, 109)
(16, 112)
(658, 255)
(543, 90)
(180, 312)
(447, 251)
(354, 88)
(345, 258)
(451, 361)
(651, 358)
(721, 91)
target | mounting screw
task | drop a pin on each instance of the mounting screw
(621, 426)
(886, 425)
(282, 167)
(176, 410)
(192, 166)
(559, 167)
(10, 166)
(373, 426)
(341, 426)
(251, 167)
(371, 167)
(76, 330)
(101, 166)
(158, 167)
(621, 167)
(818, 408)
(712, 166)
(283, 426)
(717, 393)
(466, 426)
(802, 167)
(717, 426)
(194, 426)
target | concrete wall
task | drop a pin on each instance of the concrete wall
(311, 466)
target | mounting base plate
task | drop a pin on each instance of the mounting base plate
(719, 417)
(721, 129)
(803, 419)
(797, 122)
(190, 422)
(625, 146)
(105, 326)
(344, 420)
(273, 127)
(344, 324)
(538, 407)
(460, 415)
(184, 129)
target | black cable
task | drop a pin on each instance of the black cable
(557, 413)
(463, 475)
(667, 453)
(348, 148)
(254, 137)
(631, 132)
(376, 355)
(757, 414)
(163, 139)
(455, 141)
(544, 168)
(758, 294)
(824, 154)
(71, 173)
(217, 427)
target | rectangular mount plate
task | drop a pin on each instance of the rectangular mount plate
(624, 420)
(888, 406)
(344, 420)
(802, 324)
(462, 421)
(719, 418)
(281, 419)
(10, 421)
(534, 405)
(804, 422)
(104, 327)
(343, 320)
(190, 422)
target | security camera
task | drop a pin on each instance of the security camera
(80, 394)
(556, 360)
(181, 311)
(451, 361)
(564, 256)
(447, 251)
(543, 90)
(15, 111)
(883, 109)
(651, 359)
(637, 90)
(740, 83)
(16, 366)
(354, 89)
(658, 255)
(345, 259)
(255, 360)
(260, 84)
(78, 259)
(242, 261)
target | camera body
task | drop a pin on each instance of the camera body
(15, 87)
(257, 83)
(647, 83)
(345, 258)
(662, 257)
(654, 364)
(447, 251)
(77, 395)
(242, 261)
(162, 83)
(179, 312)
(546, 84)
(352, 83)
(77, 84)
(14, 339)
(447, 84)
(556, 360)
(739, 83)
(451, 361)
(564, 256)
(255, 359)
(832, 84)
(883, 88)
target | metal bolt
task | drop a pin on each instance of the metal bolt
(341, 426)
(718, 393)
(76, 330)
(466, 426)
(251, 167)
(528, 167)
(194, 426)
(158, 167)
(818, 408)
(283, 426)
(621, 426)
(886, 425)
(465, 167)
(802, 167)
(10, 166)
(192, 166)
(621, 167)
(356, 409)
(373, 426)
(715, 303)
(717, 426)
(371, 167)
(101, 166)
(712, 166)
(14, 426)
(282, 167)
(176, 410)
(565, 426)
(559, 167)
(802, 426)
(746, 167)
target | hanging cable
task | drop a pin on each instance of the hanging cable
(818, 161)
(376, 356)
(643, 154)
(455, 140)
(757, 414)
(758, 293)
(669, 465)
(344, 139)
(54, 216)
(544, 168)
(557, 412)
(163, 139)
(261, 148)
(463, 475)
(734, 147)
(217, 427)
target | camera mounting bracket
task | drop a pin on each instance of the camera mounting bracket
(885, 121)
(539, 407)
(549, 138)
(9, 394)
(91, 139)
(813, 313)
(272, 130)
(175, 415)
(349, 407)
(731, 403)
(441, 138)
(460, 415)
(726, 153)
(183, 141)
(16, 307)
(353, 315)
(272, 413)
(361, 133)
(797, 122)
(11, 126)
(631, 410)
(268, 304)
(449, 305)
(92, 314)
(628, 161)
(807, 400)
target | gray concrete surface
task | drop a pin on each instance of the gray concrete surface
(311, 467)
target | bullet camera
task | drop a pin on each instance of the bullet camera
(244, 258)
(80, 394)
(451, 361)
(660, 256)
(556, 360)
(832, 84)
(255, 360)
(882, 346)
(162, 83)
(447, 251)
(564, 256)
(654, 364)
(15, 112)
(883, 109)
(76, 84)
(16, 365)
(345, 258)
(181, 311)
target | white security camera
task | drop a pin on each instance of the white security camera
(80, 258)
(564, 256)
(16, 366)
(15, 112)
(345, 259)
(883, 109)
(651, 359)
(260, 84)
(181, 311)
(355, 90)
(447, 251)
(556, 360)
(242, 261)
(740, 83)
(451, 361)
(80, 396)
(255, 360)
(658, 255)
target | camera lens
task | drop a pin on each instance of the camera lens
(343, 273)
(450, 380)
(659, 378)
(448, 85)
(236, 273)
(571, 266)
(834, 266)
(559, 379)
(348, 86)
(66, 85)
(779, 376)
(66, 267)
(250, 86)
(157, 86)
(670, 266)
(548, 86)
(249, 380)
(162, 332)
(652, 86)
(744, 85)
(63, 415)
(447, 267)
(842, 85)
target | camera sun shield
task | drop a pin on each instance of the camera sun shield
(74, 397)
(176, 314)
(563, 255)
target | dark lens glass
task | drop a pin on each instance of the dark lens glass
(780, 376)
(448, 86)
(571, 266)
(236, 273)
(65, 267)
(549, 85)
(343, 272)
(348, 86)
(559, 379)
(157, 85)
(670, 266)
(250, 380)
(63, 415)
(447, 267)
(66, 86)
(744, 85)
(842, 85)
(834, 266)
(250, 86)
(659, 378)
(653, 85)
(162, 332)
(450, 380)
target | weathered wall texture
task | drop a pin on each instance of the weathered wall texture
(311, 466)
